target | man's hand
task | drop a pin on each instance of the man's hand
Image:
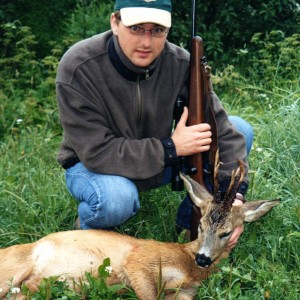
(189, 140)
(237, 231)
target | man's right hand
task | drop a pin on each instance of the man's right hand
(189, 140)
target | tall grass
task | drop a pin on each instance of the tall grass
(265, 264)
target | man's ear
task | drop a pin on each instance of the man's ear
(114, 24)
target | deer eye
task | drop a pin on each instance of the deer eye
(225, 235)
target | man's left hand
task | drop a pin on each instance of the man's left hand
(237, 231)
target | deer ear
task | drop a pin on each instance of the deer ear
(199, 195)
(254, 210)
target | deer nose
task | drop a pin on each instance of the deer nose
(203, 261)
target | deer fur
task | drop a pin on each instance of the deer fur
(135, 262)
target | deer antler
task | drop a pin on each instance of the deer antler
(216, 171)
(237, 177)
(217, 192)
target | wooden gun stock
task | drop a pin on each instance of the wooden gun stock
(197, 98)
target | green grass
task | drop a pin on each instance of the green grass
(34, 202)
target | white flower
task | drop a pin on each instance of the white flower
(19, 121)
(263, 95)
(61, 278)
(15, 290)
(109, 269)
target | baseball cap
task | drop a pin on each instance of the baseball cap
(145, 11)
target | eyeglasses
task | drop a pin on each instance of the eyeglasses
(157, 32)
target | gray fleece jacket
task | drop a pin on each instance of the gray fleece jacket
(117, 118)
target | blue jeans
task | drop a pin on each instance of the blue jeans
(245, 129)
(106, 201)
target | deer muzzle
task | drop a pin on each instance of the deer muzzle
(203, 261)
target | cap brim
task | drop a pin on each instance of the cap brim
(138, 15)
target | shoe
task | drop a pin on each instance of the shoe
(184, 216)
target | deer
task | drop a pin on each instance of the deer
(137, 263)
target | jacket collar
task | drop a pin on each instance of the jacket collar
(124, 66)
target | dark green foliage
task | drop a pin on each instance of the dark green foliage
(88, 18)
(275, 47)
(229, 25)
(27, 83)
(224, 25)
(46, 18)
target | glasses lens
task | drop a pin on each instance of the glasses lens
(137, 30)
(158, 32)
(155, 32)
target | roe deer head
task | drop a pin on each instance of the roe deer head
(219, 216)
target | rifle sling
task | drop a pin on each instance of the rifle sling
(210, 115)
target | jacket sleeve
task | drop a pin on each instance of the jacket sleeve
(232, 146)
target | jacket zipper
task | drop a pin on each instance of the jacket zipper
(139, 98)
(147, 75)
(139, 101)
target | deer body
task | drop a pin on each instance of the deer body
(135, 262)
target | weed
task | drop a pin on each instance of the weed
(92, 288)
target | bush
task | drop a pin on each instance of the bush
(28, 90)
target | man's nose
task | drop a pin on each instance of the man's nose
(147, 37)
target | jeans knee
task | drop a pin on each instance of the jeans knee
(105, 200)
(245, 129)
(123, 203)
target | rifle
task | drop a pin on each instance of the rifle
(200, 111)
(197, 108)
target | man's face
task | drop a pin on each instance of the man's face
(140, 49)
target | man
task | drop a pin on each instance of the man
(116, 94)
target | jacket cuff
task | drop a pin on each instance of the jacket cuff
(243, 188)
(170, 157)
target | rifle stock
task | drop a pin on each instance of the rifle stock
(197, 98)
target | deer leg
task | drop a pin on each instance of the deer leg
(15, 297)
(140, 278)
(143, 286)
(33, 282)
(182, 294)
(179, 297)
